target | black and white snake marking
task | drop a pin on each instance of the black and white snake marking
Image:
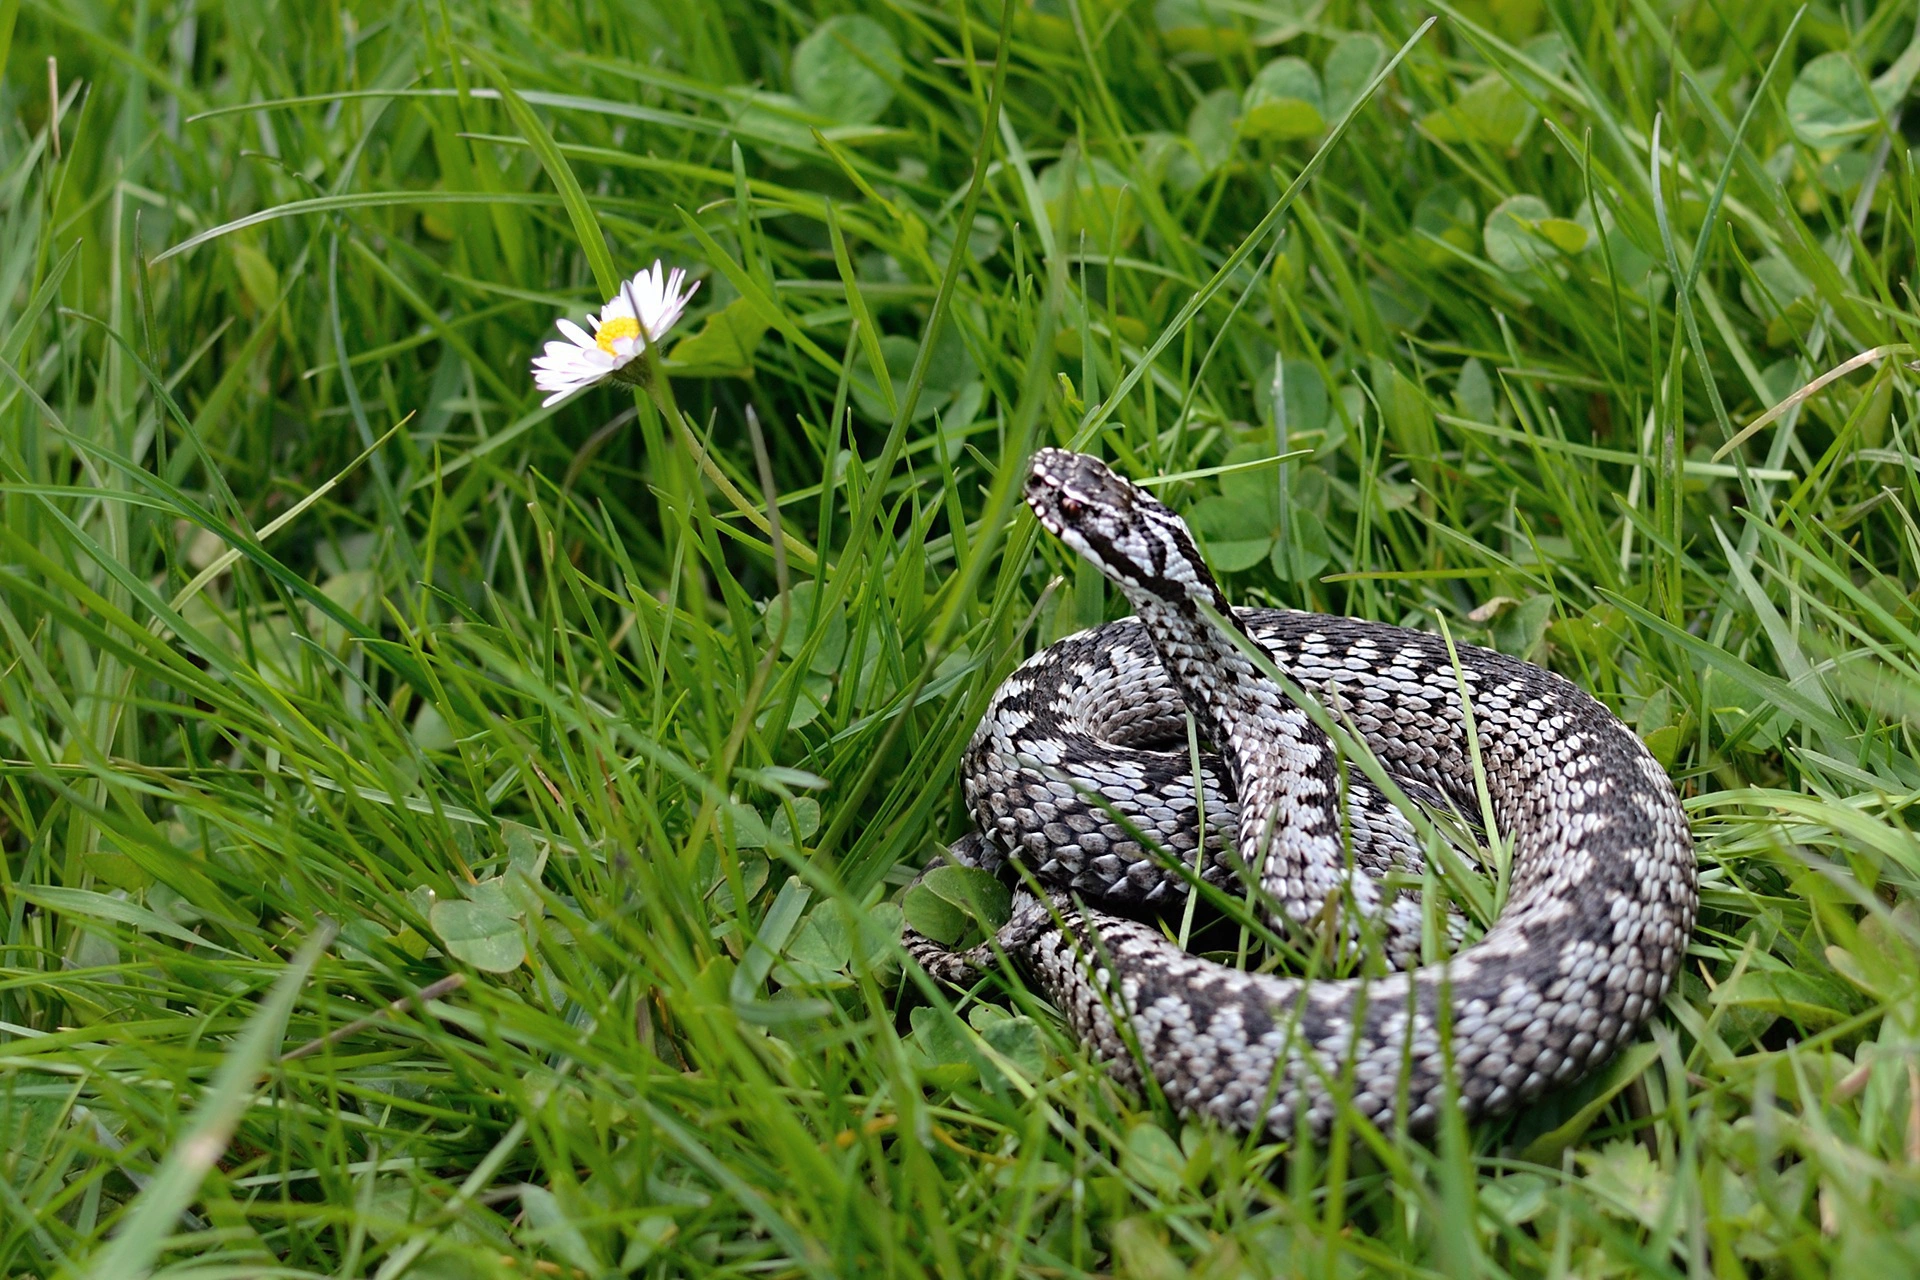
(1088, 740)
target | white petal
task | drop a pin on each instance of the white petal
(574, 332)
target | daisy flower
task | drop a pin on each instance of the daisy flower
(646, 307)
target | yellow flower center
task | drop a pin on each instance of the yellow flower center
(615, 329)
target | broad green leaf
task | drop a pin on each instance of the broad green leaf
(977, 893)
(821, 949)
(1444, 213)
(549, 1225)
(1473, 391)
(1016, 1039)
(1104, 210)
(939, 1046)
(1512, 240)
(792, 619)
(1780, 295)
(1406, 412)
(749, 828)
(776, 122)
(847, 68)
(482, 935)
(1521, 630)
(1284, 102)
(1349, 67)
(899, 353)
(1152, 1156)
(1211, 128)
(1565, 234)
(1830, 102)
(1489, 110)
(723, 347)
(1890, 86)
(928, 913)
(1629, 1184)
(1235, 535)
(1401, 308)
(1201, 29)
(806, 813)
(1302, 553)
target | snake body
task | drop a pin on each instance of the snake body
(1083, 752)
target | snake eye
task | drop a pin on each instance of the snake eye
(1070, 506)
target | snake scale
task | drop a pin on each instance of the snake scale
(1083, 752)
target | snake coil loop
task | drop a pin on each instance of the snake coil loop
(1072, 765)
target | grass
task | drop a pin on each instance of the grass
(446, 837)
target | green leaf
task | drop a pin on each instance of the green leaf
(1628, 1183)
(1519, 631)
(821, 949)
(1406, 412)
(1489, 110)
(1830, 102)
(1350, 65)
(977, 893)
(1890, 86)
(898, 353)
(549, 1225)
(937, 1041)
(1401, 307)
(928, 913)
(1305, 398)
(1104, 209)
(1255, 488)
(1235, 535)
(1304, 552)
(1198, 29)
(794, 630)
(749, 828)
(483, 935)
(1285, 102)
(1564, 234)
(1016, 1039)
(1444, 213)
(1211, 127)
(1512, 240)
(1153, 1157)
(1473, 391)
(724, 346)
(806, 813)
(847, 68)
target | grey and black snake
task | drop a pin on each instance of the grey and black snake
(1084, 751)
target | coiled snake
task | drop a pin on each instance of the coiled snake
(1083, 752)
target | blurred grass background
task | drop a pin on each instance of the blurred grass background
(443, 838)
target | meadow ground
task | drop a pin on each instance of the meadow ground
(447, 836)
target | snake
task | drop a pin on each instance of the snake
(1088, 797)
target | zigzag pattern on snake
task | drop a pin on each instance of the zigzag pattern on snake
(1085, 745)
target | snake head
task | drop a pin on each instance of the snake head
(1129, 535)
